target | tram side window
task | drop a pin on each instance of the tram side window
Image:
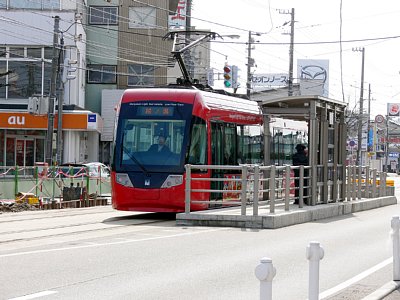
(216, 143)
(198, 143)
(250, 144)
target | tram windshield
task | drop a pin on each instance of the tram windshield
(152, 138)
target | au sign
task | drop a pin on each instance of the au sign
(16, 120)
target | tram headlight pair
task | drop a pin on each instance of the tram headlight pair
(123, 179)
(172, 180)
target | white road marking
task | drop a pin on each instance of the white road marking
(36, 295)
(109, 244)
(355, 279)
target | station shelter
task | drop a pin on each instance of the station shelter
(327, 135)
(23, 137)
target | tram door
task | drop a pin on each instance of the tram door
(223, 152)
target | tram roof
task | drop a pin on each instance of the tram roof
(214, 100)
(224, 102)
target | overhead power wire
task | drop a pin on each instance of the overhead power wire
(314, 43)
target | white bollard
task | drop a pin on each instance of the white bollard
(265, 272)
(396, 247)
(314, 254)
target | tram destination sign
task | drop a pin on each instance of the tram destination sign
(155, 111)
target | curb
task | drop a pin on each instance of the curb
(383, 291)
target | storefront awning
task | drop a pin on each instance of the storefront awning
(71, 120)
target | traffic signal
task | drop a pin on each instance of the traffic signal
(228, 76)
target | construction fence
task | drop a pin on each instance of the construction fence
(54, 187)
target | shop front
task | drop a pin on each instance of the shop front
(23, 137)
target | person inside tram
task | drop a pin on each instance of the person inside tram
(300, 158)
(161, 146)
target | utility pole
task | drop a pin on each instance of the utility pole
(369, 121)
(386, 167)
(361, 113)
(250, 61)
(188, 25)
(249, 64)
(290, 87)
(50, 114)
(291, 49)
(60, 104)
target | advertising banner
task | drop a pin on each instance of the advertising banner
(313, 76)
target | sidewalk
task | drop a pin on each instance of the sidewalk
(376, 286)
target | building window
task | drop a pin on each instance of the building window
(101, 74)
(142, 17)
(24, 73)
(34, 52)
(141, 75)
(103, 15)
(17, 52)
(31, 4)
(3, 76)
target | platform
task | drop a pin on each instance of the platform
(231, 217)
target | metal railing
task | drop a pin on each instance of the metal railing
(255, 185)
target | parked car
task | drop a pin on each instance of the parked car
(95, 169)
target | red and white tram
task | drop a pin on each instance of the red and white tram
(195, 127)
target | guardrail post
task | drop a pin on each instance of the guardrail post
(36, 172)
(396, 247)
(359, 182)
(314, 254)
(354, 190)
(16, 181)
(87, 186)
(255, 189)
(301, 186)
(287, 187)
(348, 185)
(187, 188)
(265, 272)
(381, 184)
(373, 183)
(272, 188)
(384, 184)
(315, 191)
(243, 194)
(367, 182)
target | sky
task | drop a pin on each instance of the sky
(372, 25)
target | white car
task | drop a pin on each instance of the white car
(96, 169)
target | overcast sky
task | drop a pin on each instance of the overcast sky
(373, 25)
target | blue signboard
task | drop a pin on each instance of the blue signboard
(370, 137)
(92, 118)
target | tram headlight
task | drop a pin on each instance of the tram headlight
(172, 180)
(123, 179)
